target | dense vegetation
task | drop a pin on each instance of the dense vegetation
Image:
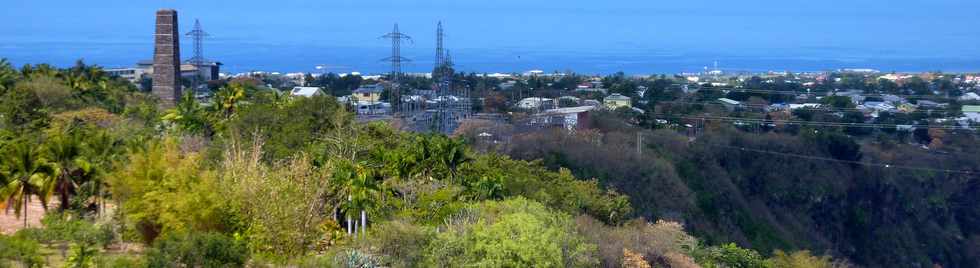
(809, 194)
(257, 178)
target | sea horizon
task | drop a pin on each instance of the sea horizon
(240, 57)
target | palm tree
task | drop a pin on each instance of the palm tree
(26, 173)
(228, 98)
(102, 149)
(8, 75)
(187, 115)
(65, 151)
(451, 155)
(361, 187)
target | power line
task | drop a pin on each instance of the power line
(764, 91)
(762, 106)
(880, 165)
(809, 123)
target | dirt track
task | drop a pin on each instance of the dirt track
(10, 223)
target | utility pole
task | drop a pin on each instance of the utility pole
(639, 142)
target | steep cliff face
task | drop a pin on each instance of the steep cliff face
(790, 192)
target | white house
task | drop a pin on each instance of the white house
(535, 103)
(306, 91)
(970, 96)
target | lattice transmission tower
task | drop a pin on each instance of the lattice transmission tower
(396, 60)
(198, 34)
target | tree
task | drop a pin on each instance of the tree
(359, 184)
(26, 173)
(65, 152)
(228, 98)
(188, 115)
(451, 154)
(8, 75)
(22, 110)
(102, 150)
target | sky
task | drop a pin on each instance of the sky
(116, 31)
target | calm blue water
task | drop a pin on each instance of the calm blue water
(240, 57)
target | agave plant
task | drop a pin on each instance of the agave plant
(356, 259)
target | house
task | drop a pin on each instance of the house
(730, 104)
(970, 96)
(306, 91)
(369, 93)
(893, 99)
(805, 106)
(592, 89)
(878, 106)
(372, 108)
(641, 91)
(616, 101)
(507, 85)
(569, 101)
(972, 112)
(928, 104)
(536, 103)
(856, 96)
(570, 118)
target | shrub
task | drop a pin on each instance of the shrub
(119, 262)
(730, 255)
(82, 255)
(800, 259)
(20, 250)
(398, 243)
(356, 259)
(65, 227)
(663, 242)
(197, 250)
(512, 233)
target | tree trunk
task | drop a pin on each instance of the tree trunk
(23, 205)
(349, 226)
(363, 221)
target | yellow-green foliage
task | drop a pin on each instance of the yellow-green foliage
(800, 259)
(560, 190)
(513, 233)
(282, 205)
(164, 189)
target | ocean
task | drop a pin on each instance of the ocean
(291, 57)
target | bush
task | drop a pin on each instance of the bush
(20, 250)
(730, 255)
(65, 227)
(663, 242)
(398, 243)
(512, 233)
(356, 259)
(119, 262)
(800, 259)
(82, 255)
(197, 250)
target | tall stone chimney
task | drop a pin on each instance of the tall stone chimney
(166, 59)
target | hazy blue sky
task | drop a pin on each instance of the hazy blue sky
(848, 28)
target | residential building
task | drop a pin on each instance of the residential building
(368, 93)
(972, 112)
(970, 96)
(730, 104)
(616, 101)
(536, 103)
(306, 91)
(570, 118)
